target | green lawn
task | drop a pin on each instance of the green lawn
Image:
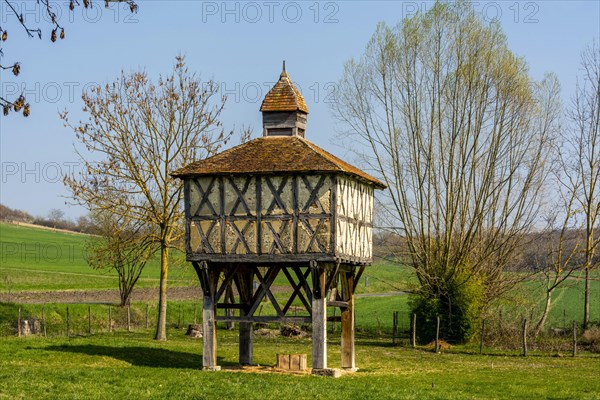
(126, 365)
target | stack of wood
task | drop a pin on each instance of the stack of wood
(194, 331)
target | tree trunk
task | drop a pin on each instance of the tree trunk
(161, 325)
(586, 301)
(540, 325)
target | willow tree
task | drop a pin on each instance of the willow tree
(135, 134)
(449, 118)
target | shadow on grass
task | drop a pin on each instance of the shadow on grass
(141, 356)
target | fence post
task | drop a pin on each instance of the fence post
(68, 323)
(44, 321)
(195, 314)
(333, 321)
(179, 318)
(395, 327)
(128, 318)
(482, 335)
(414, 330)
(19, 323)
(525, 337)
(437, 335)
(146, 315)
(574, 338)
(109, 319)
(500, 325)
(89, 320)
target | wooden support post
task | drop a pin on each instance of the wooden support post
(246, 328)
(209, 346)
(348, 362)
(319, 318)
(246, 343)
(209, 349)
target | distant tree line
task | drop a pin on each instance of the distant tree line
(56, 219)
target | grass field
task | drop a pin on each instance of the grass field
(40, 259)
(126, 365)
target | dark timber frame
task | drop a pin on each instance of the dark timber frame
(247, 229)
(230, 286)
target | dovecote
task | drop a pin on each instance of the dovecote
(276, 206)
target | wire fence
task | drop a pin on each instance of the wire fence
(518, 335)
(494, 335)
(54, 320)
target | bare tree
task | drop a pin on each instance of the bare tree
(122, 244)
(136, 133)
(449, 118)
(584, 150)
(55, 29)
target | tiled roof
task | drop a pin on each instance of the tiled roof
(274, 154)
(284, 97)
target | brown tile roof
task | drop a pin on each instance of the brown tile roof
(284, 97)
(274, 154)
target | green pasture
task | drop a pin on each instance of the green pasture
(40, 259)
(131, 365)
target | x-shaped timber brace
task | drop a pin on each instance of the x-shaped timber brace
(317, 285)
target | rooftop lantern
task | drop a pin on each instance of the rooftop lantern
(284, 110)
(278, 205)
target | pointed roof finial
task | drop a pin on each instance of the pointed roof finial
(284, 96)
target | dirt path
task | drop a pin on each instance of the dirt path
(105, 296)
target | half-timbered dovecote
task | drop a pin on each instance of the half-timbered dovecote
(284, 110)
(278, 205)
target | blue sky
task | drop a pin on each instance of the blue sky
(238, 44)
